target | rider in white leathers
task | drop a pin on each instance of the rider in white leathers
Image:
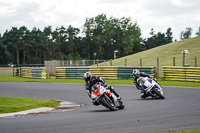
(138, 74)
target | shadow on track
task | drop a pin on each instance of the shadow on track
(148, 99)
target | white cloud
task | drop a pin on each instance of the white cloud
(183, 3)
(156, 14)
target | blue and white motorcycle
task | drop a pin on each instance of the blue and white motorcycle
(151, 87)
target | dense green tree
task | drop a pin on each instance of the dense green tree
(158, 39)
(48, 43)
(169, 35)
(72, 40)
(88, 29)
(100, 37)
(198, 32)
(186, 34)
(59, 42)
(25, 40)
(4, 54)
(149, 42)
(38, 44)
(13, 39)
(138, 47)
(104, 36)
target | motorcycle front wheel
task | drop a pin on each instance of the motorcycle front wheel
(121, 104)
(107, 102)
(158, 94)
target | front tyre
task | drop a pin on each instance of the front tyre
(121, 104)
(107, 102)
(158, 94)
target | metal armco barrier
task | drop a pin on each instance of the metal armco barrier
(103, 71)
(70, 72)
(6, 68)
(34, 72)
(127, 72)
(181, 73)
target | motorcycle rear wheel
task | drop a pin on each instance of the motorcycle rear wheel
(107, 102)
(158, 94)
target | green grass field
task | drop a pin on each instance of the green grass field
(14, 104)
(9, 78)
(165, 54)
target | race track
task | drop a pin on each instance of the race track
(179, 111)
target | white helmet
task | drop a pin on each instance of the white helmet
(136, 73)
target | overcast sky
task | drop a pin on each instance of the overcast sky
(156, 14)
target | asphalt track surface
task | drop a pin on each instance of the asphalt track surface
(179, 111)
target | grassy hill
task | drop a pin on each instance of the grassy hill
(165, 54)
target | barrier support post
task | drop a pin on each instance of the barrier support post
(76, 63)
(174, 61)
(195, 60)
(157, 76)
(97, 62)
(183, 59)
(83, 62)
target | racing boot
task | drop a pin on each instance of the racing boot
(95, 102)
(113, 91)
(143, 94)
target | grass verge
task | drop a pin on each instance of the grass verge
(7, 77)
(14, 104)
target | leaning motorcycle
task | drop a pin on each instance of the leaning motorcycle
(151, 87)
(105, 97)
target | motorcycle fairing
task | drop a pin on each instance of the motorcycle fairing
(150, 81)
(144, 87)
(109, 93)
(96, 90)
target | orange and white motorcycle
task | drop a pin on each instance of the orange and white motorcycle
(105, 97)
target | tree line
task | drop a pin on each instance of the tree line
(98, 38)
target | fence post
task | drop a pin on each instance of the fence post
(195, 60)
(140, 61)
(54, 65)
(157, 68)
(125, 61)
(110, 62)
(174, 61)
(67, 63)
(183, 58)
(47, 73)
(71, 63)
(93, 62)
(97, 62)
(83, 62)
(76, 63)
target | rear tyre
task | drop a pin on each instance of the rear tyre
(158, 94)
(107, 102)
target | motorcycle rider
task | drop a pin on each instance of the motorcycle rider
(92, 80)
(138, 74)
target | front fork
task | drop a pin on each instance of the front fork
(160, 88)
(115, 101)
